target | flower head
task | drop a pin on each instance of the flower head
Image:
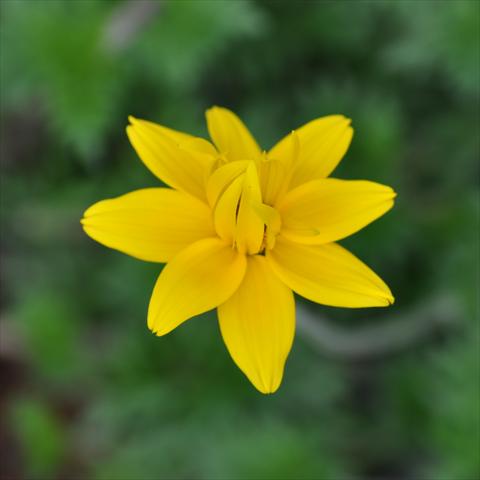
(241, 229)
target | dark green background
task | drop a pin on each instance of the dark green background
(87, 392)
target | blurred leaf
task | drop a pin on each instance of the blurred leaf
(55, 52)
(41, 437)
(443, 38)
(455, 423)
(188, 35)
(50, 329)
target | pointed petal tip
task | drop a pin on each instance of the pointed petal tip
(272, 390)
(267, 389)
(92, 209)
(385, 297)
(265, 386)
(345, 120)
(155, 326)
(389, 195)
(150, 329)
(212, 109)
(87, 213)
(387, 300)
(158, 332)
(387, 189)
(216, 110)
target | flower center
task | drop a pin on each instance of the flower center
(240, 216)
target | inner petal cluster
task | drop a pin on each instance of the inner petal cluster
(240, 216)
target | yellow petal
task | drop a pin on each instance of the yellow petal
(198, 145)
(175, 135)
(287, 149)
(276, 168)
(272, 221)
(323, 143)
(199, 278)
(230, 135)
(326, 210)
(235, 217)
(328, 274)
(181, 168)
(250, 227)
(258, 325)
(272, 179)
(225, 214)
(222, 178)
(152, 224)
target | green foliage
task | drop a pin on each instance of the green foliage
(57, 56)
(439, 39)
(50, 340)
(41, 436)
(191, 36)
(92, 393)
(454, 432)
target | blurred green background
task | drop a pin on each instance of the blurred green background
(87, 392)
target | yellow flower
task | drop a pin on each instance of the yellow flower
(241, 229)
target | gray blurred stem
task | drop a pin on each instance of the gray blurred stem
(388, 336)
(126, 21)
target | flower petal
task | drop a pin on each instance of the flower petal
(328, 274)
(272, 223)
(152, 224)
(230, 135)
(235, 217)
(258, 325)
(323, 143)
(326, 210)
(199, 278)
(222, 178)
(199, 146)
(250, 227)
(172, 157)
(276, 168)
(175, 135)
(225, 214)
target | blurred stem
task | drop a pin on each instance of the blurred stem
(395, 333)
(126, 21)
